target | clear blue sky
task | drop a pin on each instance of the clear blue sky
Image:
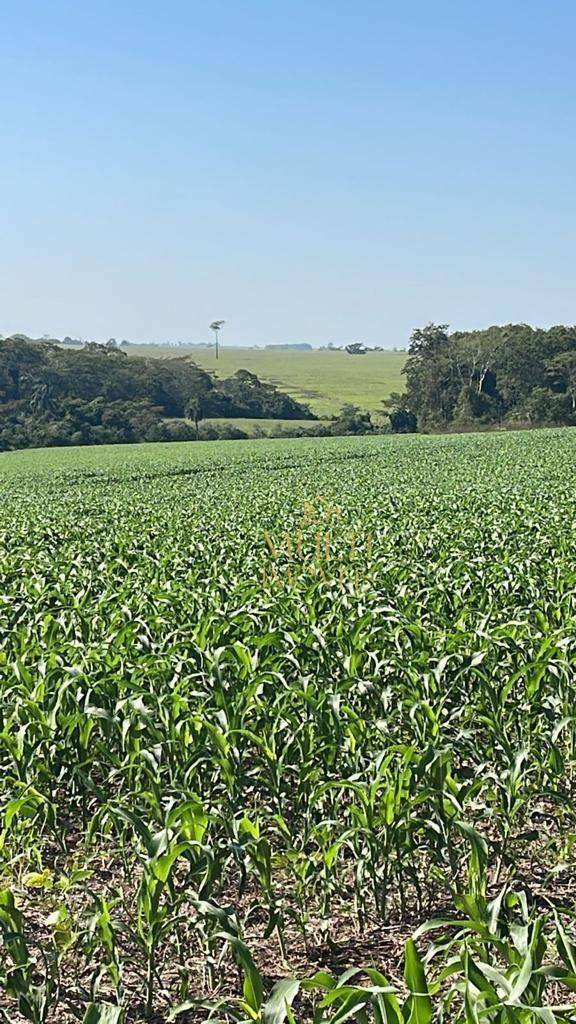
(307, 171)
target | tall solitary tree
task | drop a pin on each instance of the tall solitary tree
(217, 326)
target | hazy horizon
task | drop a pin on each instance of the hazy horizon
(226, 343)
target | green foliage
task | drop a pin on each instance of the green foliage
(508, 374)
(253, 694)
(103, 1013)
(490, 966)
(31, 979)
(352, 420)
(52, 396)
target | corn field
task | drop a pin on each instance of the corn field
(288, 731)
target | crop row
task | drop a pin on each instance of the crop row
(279, 698)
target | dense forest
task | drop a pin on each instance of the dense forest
(55, 396)
(508, 376)
(513, 375)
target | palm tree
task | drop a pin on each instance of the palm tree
(195, 412)
(216, 326)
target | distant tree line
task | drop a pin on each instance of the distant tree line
(354, 348)
(512, 375)
(300, 346)
(51, 395)
(350, 420)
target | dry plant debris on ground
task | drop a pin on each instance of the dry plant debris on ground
(269, 707)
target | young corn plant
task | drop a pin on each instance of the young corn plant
(31, 978)
(252, 1007)
(157, 902)
(494, 960)
(100, 938)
